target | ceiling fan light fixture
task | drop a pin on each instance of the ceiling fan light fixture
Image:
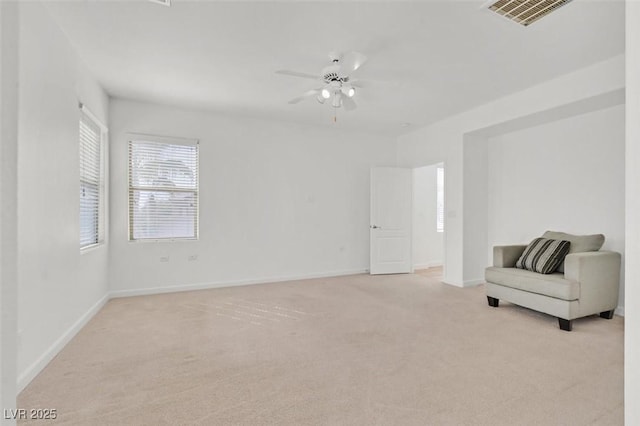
(337, 100)
(337, 84)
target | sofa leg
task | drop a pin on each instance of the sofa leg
(493, 301)
(606, 314)
(565, 324)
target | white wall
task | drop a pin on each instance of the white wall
(58, 286)
(632, 242)
(427, 241)
(585, 89)
(8, 206)
(564, 176)
(474, 208)
(277, 201)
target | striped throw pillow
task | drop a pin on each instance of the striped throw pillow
(543, 255)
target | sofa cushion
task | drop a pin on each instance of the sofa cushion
(579, 243)
(552, 285)
(543, 255)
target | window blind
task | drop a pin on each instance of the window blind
(163, 190)
(91, 181)
(440, 199)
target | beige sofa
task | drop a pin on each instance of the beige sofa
(586, 284)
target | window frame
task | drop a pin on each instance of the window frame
(141, 137)
(86, 114)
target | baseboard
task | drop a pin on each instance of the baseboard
(34, 369)
(472, 283)
(619, 311)
(427, 265)
(221, 284)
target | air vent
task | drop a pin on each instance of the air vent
(526, 12)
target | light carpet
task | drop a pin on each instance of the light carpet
(361, 350)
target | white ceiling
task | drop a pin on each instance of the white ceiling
(427, 60)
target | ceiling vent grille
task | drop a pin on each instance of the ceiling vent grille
(526, 12)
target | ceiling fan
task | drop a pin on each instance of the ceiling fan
(336, 81)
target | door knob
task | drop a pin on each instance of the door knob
(374, 227)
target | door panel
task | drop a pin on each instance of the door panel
(390, 226)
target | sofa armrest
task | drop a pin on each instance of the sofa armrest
(507, 256)
(598, 273)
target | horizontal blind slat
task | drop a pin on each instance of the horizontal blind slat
(91, 176)
(163, 190)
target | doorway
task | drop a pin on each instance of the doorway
(428, 221)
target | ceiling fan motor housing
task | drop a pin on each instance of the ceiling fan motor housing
(337, 84)
(331, 74)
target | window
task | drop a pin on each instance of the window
(440, 199)
(163, 189)
(92, 176)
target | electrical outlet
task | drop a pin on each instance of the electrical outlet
(164, 258)
(193, 257)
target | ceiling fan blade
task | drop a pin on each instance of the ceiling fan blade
(359, 83)
(348, 103)
(298, 74)
(351, 62)
(305, 95)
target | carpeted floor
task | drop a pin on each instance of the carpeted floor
(434, 272)
(362, 350)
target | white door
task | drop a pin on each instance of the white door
(390, 226)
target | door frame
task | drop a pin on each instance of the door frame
(444, 218)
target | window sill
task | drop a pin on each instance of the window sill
(91, 248)
(163, 240)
